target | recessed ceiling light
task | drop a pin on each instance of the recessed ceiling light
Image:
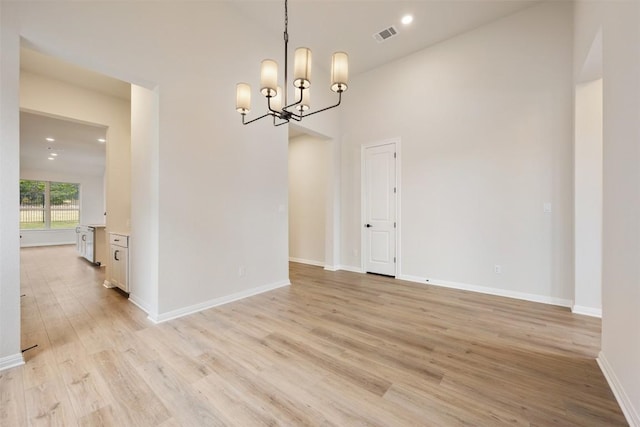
(407, 19)
(51, 158)
(50, 139)
(102, 140)
(54, 154)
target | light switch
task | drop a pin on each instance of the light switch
(546, 207)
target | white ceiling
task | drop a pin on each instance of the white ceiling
(324, 26)
(329, 26)
(77, 145)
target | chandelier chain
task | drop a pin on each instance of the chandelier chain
(286, 50)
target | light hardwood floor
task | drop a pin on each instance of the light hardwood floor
(332, 349)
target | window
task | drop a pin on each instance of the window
(47, 205)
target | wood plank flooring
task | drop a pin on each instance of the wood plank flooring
(332, 349)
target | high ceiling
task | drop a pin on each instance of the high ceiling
(328, 26)
(324, 26)
(76, 145)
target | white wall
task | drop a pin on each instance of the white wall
(222, 187)
(10, 354)
(143, 253)
(620, 26)
(91, 206)
(308, 185)
(486, 126)
(588, 198)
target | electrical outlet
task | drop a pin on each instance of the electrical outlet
(497, 269)
(241, 271)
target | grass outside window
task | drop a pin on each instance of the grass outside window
(48, 205)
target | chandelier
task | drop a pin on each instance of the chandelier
(277, 102)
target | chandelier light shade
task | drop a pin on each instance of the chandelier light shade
(243, 98)
(278, 106)
(269, 77)
(339, 71)
(302, 68)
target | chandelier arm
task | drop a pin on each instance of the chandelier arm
(291, 105)
(281, 123)
(294, 104)
(256, 119)
(298, 117)
(327, 108)
(271, 110)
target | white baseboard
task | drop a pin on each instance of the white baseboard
(490, 291)
(37, 245)
(12, 361)
(307, 261)
(138, 303)
(630, 413)
(328, 267)
(473, 288)
(350, 268)
(587, 311)
(181, 312)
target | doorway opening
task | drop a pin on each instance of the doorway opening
(62, 173)
(309, 192)
(83, 120)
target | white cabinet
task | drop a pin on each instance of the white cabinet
(90, 243)
(81, 240)
(119, 249)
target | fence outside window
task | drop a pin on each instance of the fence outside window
(47, 205)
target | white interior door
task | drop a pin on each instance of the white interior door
(379, 209)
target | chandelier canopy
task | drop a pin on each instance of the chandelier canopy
(277, 102)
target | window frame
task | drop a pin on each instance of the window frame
(47, 206)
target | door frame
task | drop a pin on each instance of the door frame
(363, 148)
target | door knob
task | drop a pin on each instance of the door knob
(368, 225)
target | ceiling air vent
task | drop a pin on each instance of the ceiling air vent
(385, 34)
